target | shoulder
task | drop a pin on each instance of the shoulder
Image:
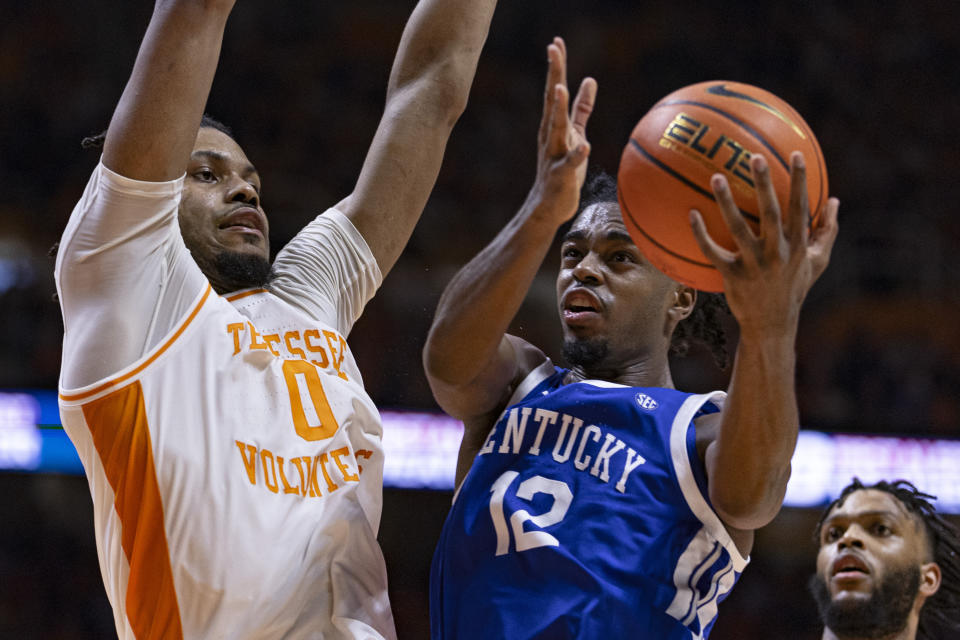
(328, 271)
(527, 356)
(529, 367)
(533, 367)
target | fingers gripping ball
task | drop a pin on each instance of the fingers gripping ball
(693, 133)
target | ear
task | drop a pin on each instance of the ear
(684, 300)
(929, 579)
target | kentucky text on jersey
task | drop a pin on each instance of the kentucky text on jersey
(585, 515)
(588, 445)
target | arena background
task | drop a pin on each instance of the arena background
(302, 83)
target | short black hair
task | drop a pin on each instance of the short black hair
(96, 141)
(705, 323)
(940, 615)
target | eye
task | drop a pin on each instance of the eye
(832, 534)
(881, 530)
(570, 253)
(204, 174)
(623, 256)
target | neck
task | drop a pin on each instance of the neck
(643, 372)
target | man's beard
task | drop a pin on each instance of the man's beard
(883, 614)
(585, 353)
(236, 270)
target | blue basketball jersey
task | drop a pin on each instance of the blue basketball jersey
(585, 516)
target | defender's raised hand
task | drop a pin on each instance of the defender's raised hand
(767, 278)
(563, 145)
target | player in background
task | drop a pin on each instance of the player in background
(597, 501)
(888, 566)
(233, 456)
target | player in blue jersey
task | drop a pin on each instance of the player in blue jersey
(598, 501)
(888, 566)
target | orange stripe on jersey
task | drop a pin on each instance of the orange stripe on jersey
(238, 296)
(118, 425)
(127, 376)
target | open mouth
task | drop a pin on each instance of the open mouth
(580, 301)
(244, 220)
(577, 308)
(849, 566)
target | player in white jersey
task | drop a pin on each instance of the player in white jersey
(232, 453)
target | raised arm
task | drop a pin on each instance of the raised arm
(469, 360)
(766, 281)
(155, 124)
(428, 90)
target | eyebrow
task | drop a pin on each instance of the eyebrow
(216, 156)
(613, 234)
(860, 514)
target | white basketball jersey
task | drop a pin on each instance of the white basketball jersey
(236, 473)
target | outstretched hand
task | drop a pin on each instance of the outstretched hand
(563, 145)
(767, 278)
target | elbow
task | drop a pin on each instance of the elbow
(438, 365)
(750, 504)
(440, 97)
(429, 360)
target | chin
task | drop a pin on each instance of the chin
(585, 352)
(242, 270)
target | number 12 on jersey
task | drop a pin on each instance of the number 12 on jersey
(524, 540)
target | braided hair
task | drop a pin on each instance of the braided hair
(940, 615)
(704, 324)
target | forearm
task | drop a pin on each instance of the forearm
(429, 86)
(478, 305)
(155, 123)
(749, 462)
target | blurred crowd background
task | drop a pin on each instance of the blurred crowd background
(302, 84)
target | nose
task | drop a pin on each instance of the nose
(589, 269)
(239, 190)
(851, 538)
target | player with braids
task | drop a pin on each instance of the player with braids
(704, 325)
(888, 566)
(598, 501)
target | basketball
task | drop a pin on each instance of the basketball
(691, 134)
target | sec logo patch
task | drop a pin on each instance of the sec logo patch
(646, 402)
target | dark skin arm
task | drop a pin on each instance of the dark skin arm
(471, 363)
(428, 89)
(748, 447)
(155, 124)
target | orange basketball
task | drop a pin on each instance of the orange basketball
(693, 133)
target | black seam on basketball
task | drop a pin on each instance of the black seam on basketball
(746, 127)
(636, 225)
(683, 179)
(821, 170)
